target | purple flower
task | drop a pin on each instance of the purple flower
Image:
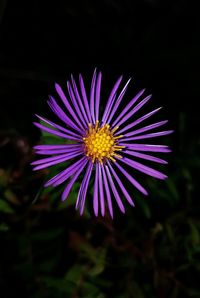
(102, 146)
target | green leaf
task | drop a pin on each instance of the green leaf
(194, 233)
(72, 197)
(75, 273)
(145, 207)
(5, 207)
(61, 285)
(91, 290)
(172, 188)
(4, 227)
(170, 233)
(11, 197)
(99, 265)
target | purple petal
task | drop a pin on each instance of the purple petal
(92, 90)
(137, 121)
(85, 100)
(98, 90)
(147, 136)
(110, 208)
(75, 104)
(59, 112)
(70, 169)
(119, 99)
(67, 104)
(131, 179)
(125, 192)
(57, 151)
(128, 106)
(56, 161)
(79, 100)
(145, 156)
(48, 159)
(102, 203)
(83, 189)
(133, 111)
(60, 150)
(53, 147)
(146, 128)
(146, 147)
(111, 100)
(59, 127)
(115, 192)
(96, 190)
(142, 168)
(56, 133)
(71, 183)
(69, 173)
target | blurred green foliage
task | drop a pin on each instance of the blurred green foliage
(48, 250)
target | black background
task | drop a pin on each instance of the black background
(155, 42)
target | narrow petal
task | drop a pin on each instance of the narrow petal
(56, 133)
(79, 100)
(128, 106)
(142, 168)
(138, 121)
(76, 106)
(67, 131)
(101, 191)
(145, 128)
(108, 196)
(147, 136)
(118, 101)
(72, 181)
(111, 100)
(145, 156)
(119, 182)
(69, 173)
(57, 151)
(115, 192)
(73, 168)
(86, 188)
(48, 159)
(131, 179)
(53, 147)
(98, 91)
(60, 114)
(96, 192)
(85, 100)
(52, 163)
(83, 189)
(92, 90)
(133, 111)
(146, 147)
(67, 105)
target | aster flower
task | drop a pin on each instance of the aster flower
(100, 146)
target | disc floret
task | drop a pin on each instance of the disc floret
(100, 143)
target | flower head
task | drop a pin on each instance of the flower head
(104, 145)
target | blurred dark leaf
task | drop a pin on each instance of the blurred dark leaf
(5, 207)
(59, 284)
(4, 227)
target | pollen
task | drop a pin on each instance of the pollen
(101, 144)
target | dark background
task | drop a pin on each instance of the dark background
(46, 249)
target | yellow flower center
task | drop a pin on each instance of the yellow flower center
(100, 143)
